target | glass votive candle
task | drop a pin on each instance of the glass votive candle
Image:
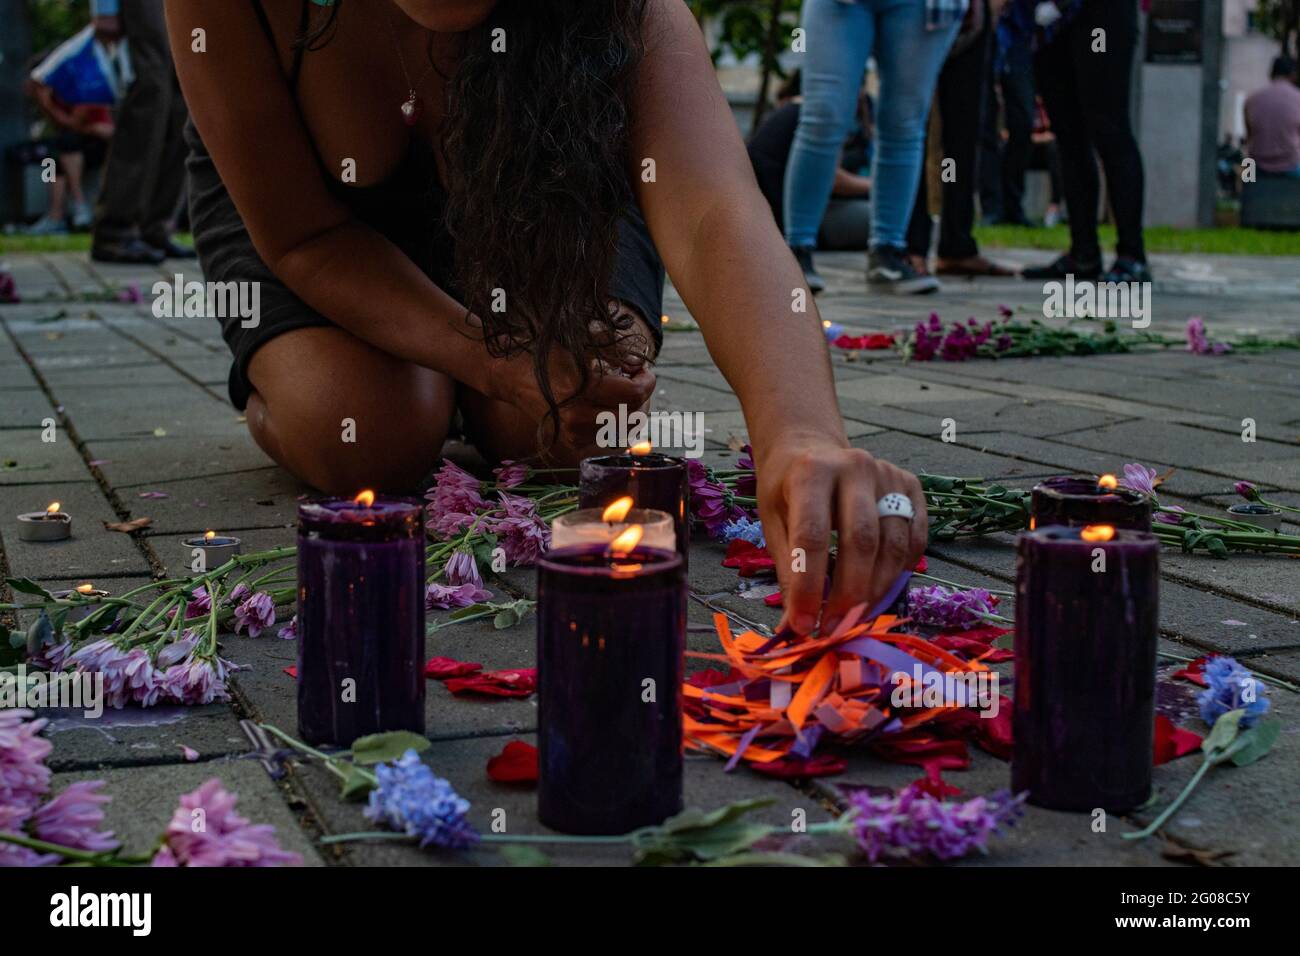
(1087, 620)
(611, 636)
(652, 481)
(589, 526)
(1075, 502)
(360, 618)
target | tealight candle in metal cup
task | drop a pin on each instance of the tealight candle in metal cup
(52, 524)
(87, 591)
(1261, 516)
(210, 551)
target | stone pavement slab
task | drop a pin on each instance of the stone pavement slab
(118, 373)
(464, 762)
(144, 799)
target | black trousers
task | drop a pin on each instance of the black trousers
(145, 170)
(1017, 85)
(961, 96)
(1087, 94)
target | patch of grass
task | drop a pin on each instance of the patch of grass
(11, 244)
(69, 242)
(1227, 241)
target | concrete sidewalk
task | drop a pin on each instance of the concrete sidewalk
(140, 405)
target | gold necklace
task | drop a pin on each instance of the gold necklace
(411, 107)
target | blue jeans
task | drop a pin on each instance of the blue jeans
(840, 37)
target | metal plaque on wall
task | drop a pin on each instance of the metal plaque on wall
(1174, 31)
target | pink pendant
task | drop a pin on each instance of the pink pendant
(410, 111)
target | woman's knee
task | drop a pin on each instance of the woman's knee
(347, 418)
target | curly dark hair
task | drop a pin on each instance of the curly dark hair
(535, 147)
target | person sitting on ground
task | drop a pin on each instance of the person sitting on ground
(846, 224)
(1273, 122)
(444, 228)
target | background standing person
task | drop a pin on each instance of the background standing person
(1273, 122)
(962, 98)
(909, 39)
(1086, 90)
(145, 170)
(1014, 72)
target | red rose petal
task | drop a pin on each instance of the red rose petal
(517, 763)
(792, 768)
(292, 671)
(1173, 742)
(515, 683)
(1194, 671)
(440, 668)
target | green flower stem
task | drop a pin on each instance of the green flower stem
(1169, 811)
(88, 857)
(331, 761)
(960, 587)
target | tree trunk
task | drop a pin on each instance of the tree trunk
(769, 58)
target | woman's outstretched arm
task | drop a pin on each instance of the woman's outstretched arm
(729, 262)
(345, 270)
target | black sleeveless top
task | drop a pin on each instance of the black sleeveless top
(408, 208)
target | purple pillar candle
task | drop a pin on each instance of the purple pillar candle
(1075, 502)
(360, 618)
(1087, 616)
(610, 646)
(653, 480)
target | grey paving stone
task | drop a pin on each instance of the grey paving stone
(463, 763)
(264, 498)
(681, 396)
(178, 410)
(1270, 581)
(1183, 446)
(1247, 811)
(145, 798)
(940, 458)
(174, 457)
(142, 736)
(175, 556)
(24, 409)
(91, 551)
(27, 460)
(1020, 416)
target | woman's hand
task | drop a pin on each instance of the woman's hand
(811, 484)
(514, 381)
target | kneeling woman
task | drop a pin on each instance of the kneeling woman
(462, 206)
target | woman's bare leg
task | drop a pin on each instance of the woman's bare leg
(341, 415)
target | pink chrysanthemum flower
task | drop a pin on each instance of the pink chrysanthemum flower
(196, 681)
(1140, 478)
(463, 569)
(24, 778)
(256, 613)
(205, 830)
(443, 597)
(454, 500)
(521, 532)
(74, 817)
(511, 474)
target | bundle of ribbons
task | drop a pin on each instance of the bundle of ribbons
(782, 696)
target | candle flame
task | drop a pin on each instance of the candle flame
(1033, 523)
(826, 323)
(86, 588)
(52, 508)
(641, 448)
(626, 541)
(365, 499)
(1097, 532)
(1108, 482)
(209, 535)
(617, 510)
(664, 319)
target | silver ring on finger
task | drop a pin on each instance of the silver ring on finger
(896, 505)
